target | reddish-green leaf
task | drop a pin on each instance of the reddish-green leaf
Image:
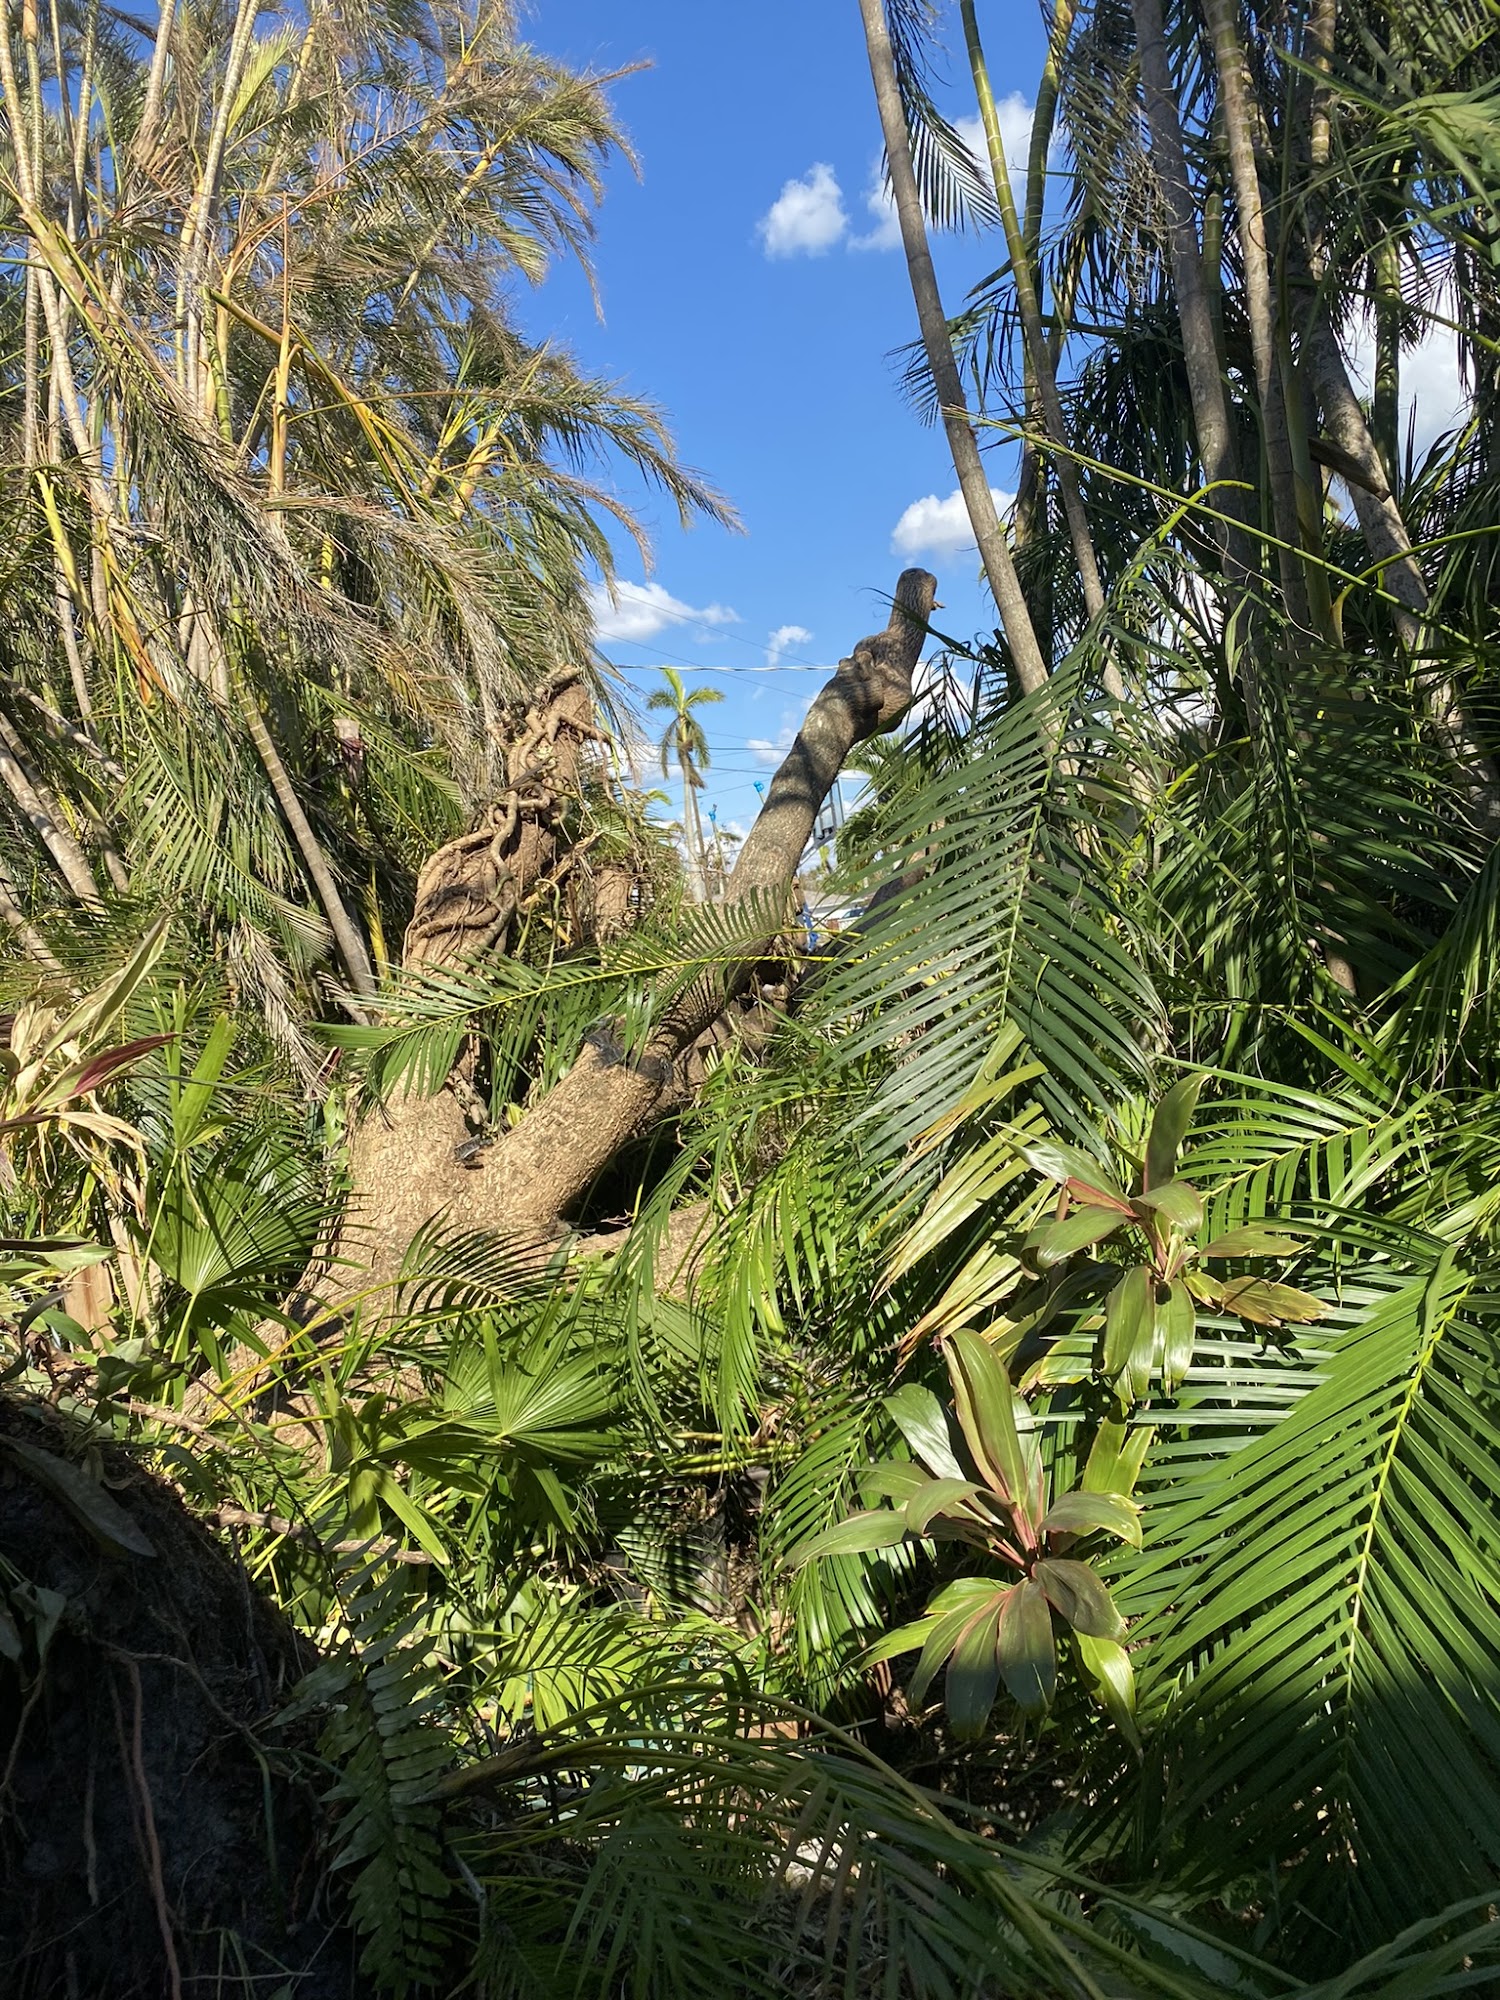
(1129, 1316)
(1135, 1382)
(986, 1406)
(960, 1603)
(1178, 1201)
(1081, 1170)
(891, 1479)
(1169, 1128)
(1177, 1323)
(1081, 1513)
(974, 1671)
(964, 1592)
(99, 1069)
(905, 1639)
(1268, 1304)
(923, 1422)
(1025, 1649)
(1078, 1596)
(1052, 1241)
(935, 1496)
(881, 1529)
(1251, 1242)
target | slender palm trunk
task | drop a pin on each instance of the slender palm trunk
(204, 212)
(968, 464)
(27, 936)
(1200, 348)
(1273, 390)
(1390, 545)
(1385, 405)
(45, 818)
(690, 814)
(1195, 318)
(1038, 352)
(346, 938)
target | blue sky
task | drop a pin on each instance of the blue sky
(750, 288)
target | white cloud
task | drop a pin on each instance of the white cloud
(807, 217)
(936, 527)
(771, 754)
(1431, 385)
(885, 233)
(782, 641)
(641, 610)
(1015, 115)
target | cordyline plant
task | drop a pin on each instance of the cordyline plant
(1150, 1314)
(985, 1485)
(49, 1078)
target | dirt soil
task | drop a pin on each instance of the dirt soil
(158, 1838)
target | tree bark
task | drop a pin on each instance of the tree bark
(1272, 390)
(26, 934)
(1038, 353)
(347, 940)
(1200, 344)
(404, 1165)
(973, 480)
(42, 813)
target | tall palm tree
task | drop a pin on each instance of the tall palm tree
(298, 514)
(951, 174)
(684, 738)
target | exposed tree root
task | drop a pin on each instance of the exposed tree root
(155, 1839)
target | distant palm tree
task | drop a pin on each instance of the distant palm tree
(685, 740)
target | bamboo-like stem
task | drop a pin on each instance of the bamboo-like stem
(973, 480)
(1043, 122)
(1038, 354)
(1385, 404)
(145, 136)
(62, 597)
(76, 195)
(1322, 26)
(1200, 343)
(26, 934)
(281, 381)
(1289, 514)
(346, 938)
(204, 210)
(64, 731)
(31, 365)
(64, 99)
(46, 822)
(50, 262)
(21, 133)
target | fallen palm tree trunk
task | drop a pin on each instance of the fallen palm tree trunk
(406, 1161)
